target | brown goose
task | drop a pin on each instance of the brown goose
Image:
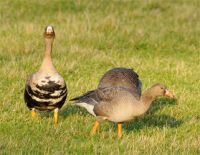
(46, 90)
(118, 98)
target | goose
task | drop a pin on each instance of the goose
(46, 90)
(118, 98)
(115, 77)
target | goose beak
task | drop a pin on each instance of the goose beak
(168, 93)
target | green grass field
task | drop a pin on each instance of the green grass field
(160, 39)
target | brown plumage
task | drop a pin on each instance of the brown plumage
(116, 77)
(46, 90)
(118, 97)
(122, 77)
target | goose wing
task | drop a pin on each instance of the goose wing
(122, 77)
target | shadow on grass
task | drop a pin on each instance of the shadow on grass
(148, 120)
(73, 110)
(161, 103)
(152, 121)
(66, 111)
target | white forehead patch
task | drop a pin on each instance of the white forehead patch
(49, 29)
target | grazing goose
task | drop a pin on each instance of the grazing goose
(118, 98)
(45, 90)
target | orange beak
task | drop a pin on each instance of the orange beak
(169, 94)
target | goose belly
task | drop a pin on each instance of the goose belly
(121, 114)
(47, 93)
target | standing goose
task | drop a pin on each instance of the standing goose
(118, 98)
(46, 90)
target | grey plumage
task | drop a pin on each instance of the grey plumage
(118, 98)
(115, 78)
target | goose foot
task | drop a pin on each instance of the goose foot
(33, 113)
(94, 128)
(119, 125)
(56, 116)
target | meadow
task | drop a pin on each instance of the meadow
(160, 39)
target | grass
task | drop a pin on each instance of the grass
(158, 38)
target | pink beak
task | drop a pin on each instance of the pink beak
(168, 93)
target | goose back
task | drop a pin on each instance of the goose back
(122, 77)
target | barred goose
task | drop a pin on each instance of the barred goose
(118, 98)
(46, 90)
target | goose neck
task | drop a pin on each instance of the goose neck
(147, 98)
(47, 64)
(48, 47)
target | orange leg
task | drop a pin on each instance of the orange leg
(96, 125)
(56, 116)
(33, 113)
(119, 125)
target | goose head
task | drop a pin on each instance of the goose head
(49, 32)
(160, 90)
